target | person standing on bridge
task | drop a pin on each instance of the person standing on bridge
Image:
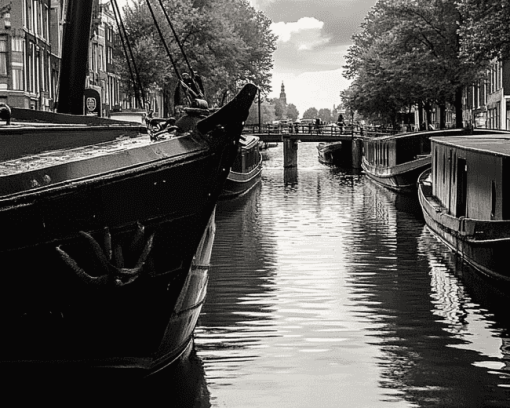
(340, 123)
(318, 125)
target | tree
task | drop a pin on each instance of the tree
(148, 68)
(310, 113)
(266, 112)
(408, 52)
(227, 42)
(292, 112)
(484, 33)
(325, 115)
(280, 108)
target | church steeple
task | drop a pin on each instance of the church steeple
(283, 96)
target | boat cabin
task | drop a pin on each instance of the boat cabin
(248, 156)
(471, 175)
(389, 151)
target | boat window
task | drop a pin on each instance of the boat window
(435, 166)
(493, 198)
(450, 167)
(444, 167)
(454, 166)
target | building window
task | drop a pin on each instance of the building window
(35, 18)
(3, 55)
(101, 59)
(17, 80)
(46, 22)
(28, 15)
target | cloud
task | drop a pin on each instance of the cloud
(306, 33)
(341, 18)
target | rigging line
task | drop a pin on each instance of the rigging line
(181, 48)
(169, 54)
(138, 80)
(135, 87)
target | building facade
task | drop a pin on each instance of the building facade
(31, 33)
(101, 73)
(30, 39)
(486, 104)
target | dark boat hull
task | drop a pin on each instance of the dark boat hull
(245, 173)
(109, 269)
(482, 244)
(240, 183)
(330, 153)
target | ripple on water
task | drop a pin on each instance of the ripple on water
(326, 290)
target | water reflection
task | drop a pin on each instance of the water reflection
(417, 312)
(240, 292)
(473, 311)
(328, 291)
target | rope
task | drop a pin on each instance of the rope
(122, 33)
(182, 50)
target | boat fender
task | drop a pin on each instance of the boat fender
(200, 104)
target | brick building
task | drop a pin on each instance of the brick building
(31, 34)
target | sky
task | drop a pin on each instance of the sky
(313, 38)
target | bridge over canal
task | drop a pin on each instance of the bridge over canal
(291, 136)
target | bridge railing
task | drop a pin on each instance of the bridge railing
(330, 130)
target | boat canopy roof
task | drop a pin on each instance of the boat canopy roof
(248, 140)
(491, 144)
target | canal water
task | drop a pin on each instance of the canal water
(327, 290)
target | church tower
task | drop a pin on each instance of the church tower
(283, 96)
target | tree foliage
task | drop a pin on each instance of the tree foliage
(408, 52)
(267, 114)
(292, 111)
(310, 113)
(325, 115)
(227, 42)
(484, 32)
(279, 107)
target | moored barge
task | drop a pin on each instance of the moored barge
(396, 161)
(246, 170)
(465, 199)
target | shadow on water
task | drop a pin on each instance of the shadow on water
(180, 385)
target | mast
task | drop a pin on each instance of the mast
(75, 50)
